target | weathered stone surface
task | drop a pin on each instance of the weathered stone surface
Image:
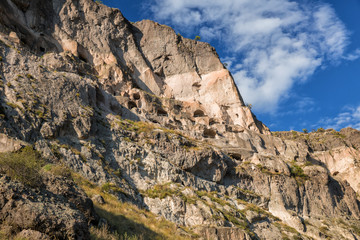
(9, 144)
(42, 212)
(31, 234)
(98, 198)
(225, 233)
(80, 69)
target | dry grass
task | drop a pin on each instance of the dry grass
(129, 221)
(23, 165)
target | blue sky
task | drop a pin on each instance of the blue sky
(296, 62)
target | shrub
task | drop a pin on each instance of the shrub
(161, 191)
(298, 173)
(305, 130)
(248, 105)
(23, 165)
(58, 170)
(320, 130)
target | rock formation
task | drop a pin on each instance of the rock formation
(138, 108)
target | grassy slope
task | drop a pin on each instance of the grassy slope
(129, 221)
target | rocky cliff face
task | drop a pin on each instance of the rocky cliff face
(157, 117)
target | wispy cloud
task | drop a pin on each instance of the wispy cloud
(349, 117)
(272, 44)
(353, 56)
(299, 106)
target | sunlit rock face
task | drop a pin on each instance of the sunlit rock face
(159, 117)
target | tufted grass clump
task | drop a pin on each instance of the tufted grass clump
(125, 220)
(162, 191)
(58, 170)
(23, 165)
(298, 173)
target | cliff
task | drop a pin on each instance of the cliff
(135, 114)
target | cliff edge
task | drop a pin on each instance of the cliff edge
(148, 124)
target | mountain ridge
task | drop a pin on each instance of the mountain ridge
(156, 120)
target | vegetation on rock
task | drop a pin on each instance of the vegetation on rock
(23, 165)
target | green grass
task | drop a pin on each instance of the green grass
(162, 191)
(129, 221)
(23, 165)
(338, 135)
(283, 227)
(298, 173)
(13, 105)
(110, 187)
(266, 170)
(77, 152)
(57, 170)
(148, 129)
(135, 126)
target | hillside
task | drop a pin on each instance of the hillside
(119, 130)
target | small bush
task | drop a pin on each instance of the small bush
(161, 191)
(58, 170)
(298, 173)
(23, 165)
(320, 130)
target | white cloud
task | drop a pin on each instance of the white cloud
(272, 44)
(299, 106)
(352, 56)
(349, 117)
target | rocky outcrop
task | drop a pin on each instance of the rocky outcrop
(8, 144)
(158, 118)
(56, 210)
(170, 66)
(338, 151)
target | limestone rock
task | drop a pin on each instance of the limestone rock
(98, 198)
(31, 234)
(9, 144)
(224, 233)
(45, 213)
(159, 118)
